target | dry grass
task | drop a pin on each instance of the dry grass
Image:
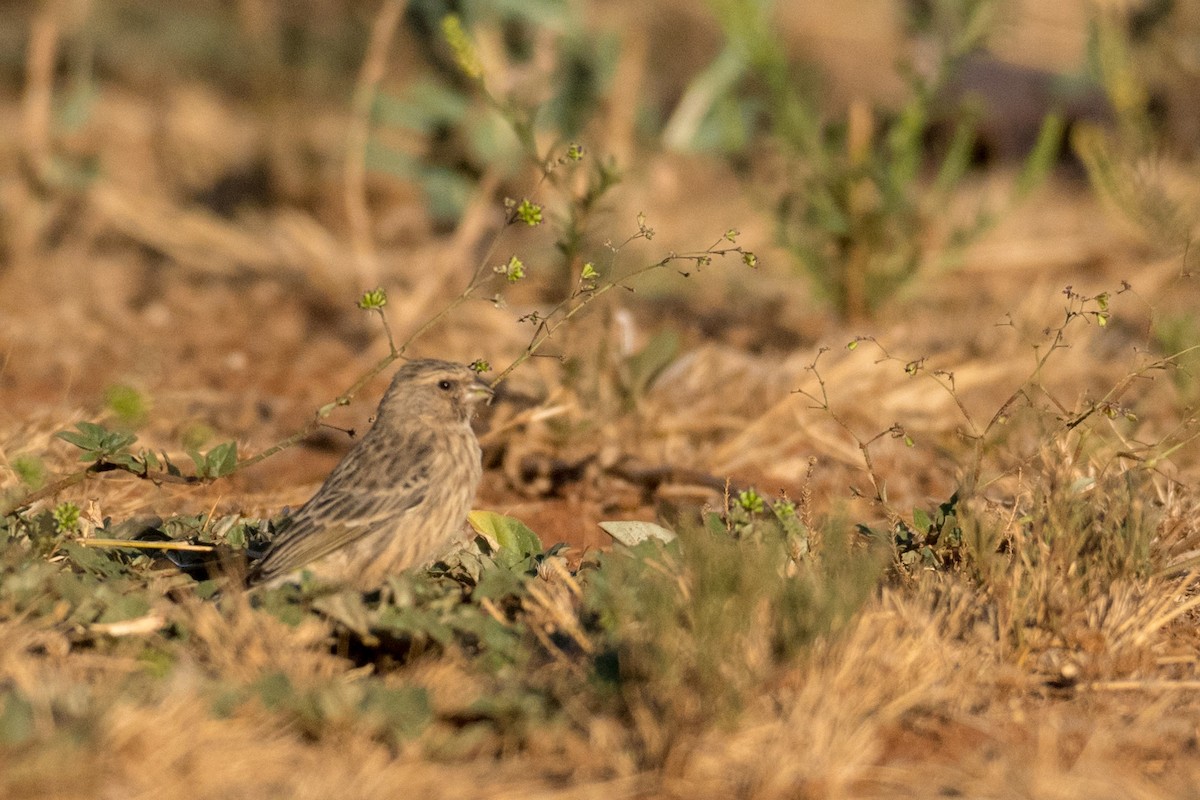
(1036, 669)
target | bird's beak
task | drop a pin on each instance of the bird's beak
(480, 391)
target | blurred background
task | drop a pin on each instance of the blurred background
(194, 195)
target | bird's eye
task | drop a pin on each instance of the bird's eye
(444, 385)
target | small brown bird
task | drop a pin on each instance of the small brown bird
(400, 496)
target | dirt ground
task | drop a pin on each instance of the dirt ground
(239, 325)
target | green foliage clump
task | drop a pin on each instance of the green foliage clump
(931, 541)
(500, 132)
(107, 449)
(857, 209)
(66, 517)
(687, 631)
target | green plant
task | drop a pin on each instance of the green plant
(107, 451)
(468, 138)
(685, 632)
(66, 517)
(855, 209)
(932, 541)
(750, 516)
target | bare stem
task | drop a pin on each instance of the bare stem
(79, 476)
(374, 63)
(569, 307)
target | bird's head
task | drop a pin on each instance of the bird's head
(438, 390)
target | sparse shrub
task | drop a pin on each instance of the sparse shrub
(466, 137)
(686, 632)
(856, 208)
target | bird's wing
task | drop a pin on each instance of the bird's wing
(347, 507)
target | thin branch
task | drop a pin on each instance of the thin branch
(74, 478)
(557, 316)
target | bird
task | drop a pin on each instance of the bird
(399, 497)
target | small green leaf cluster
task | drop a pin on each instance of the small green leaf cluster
(932, 541)
(66, 517)
(513, 270)
(752, 517)
(97, 442)
(108, 449)
(529, 213)
(81, 586)
(374, 300)
(217, 462)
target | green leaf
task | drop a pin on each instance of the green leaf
(92, 560)
(124, 607)
(508, 533)
(462, 47)
(282, 603)
(496, 582)
(348, 608)
(921, 520)
(236, 537)
(221, 460)
(95, 440)
(91, 429)
(30, 470)
(80, 440)
(129, 461)
(207, 589)
(112, 441)
(958, 155)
